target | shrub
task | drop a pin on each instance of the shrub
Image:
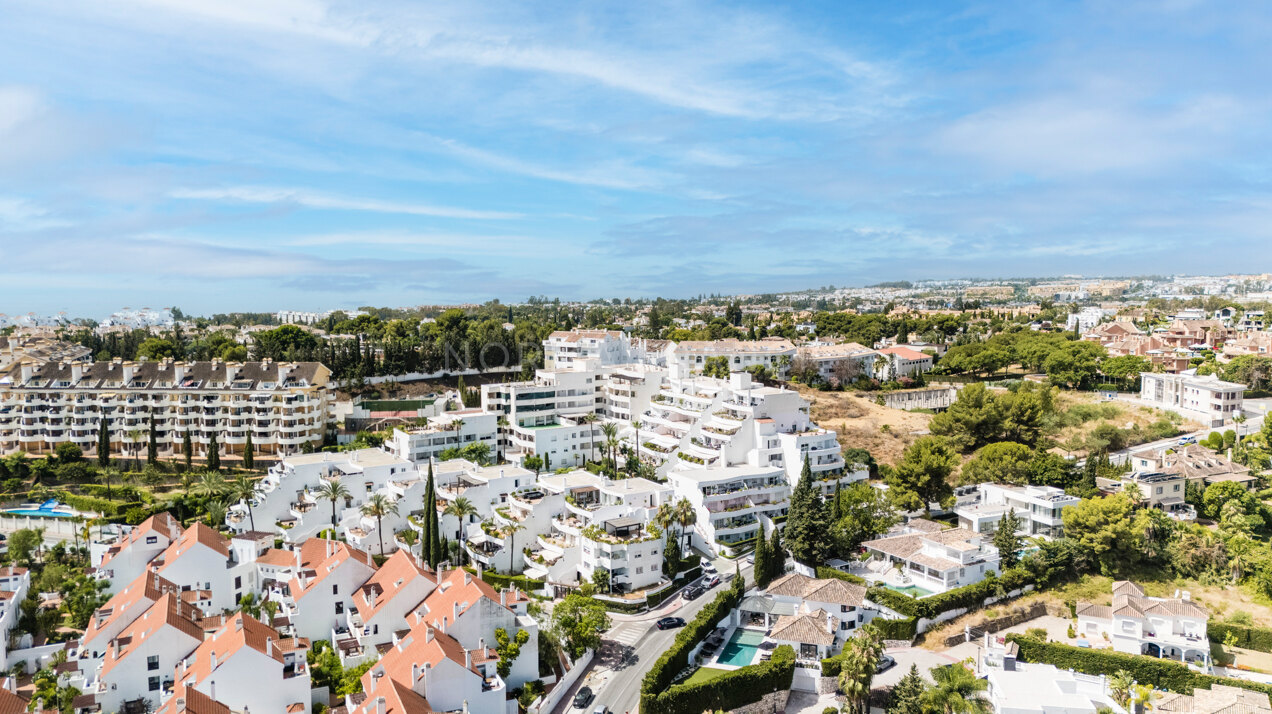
(1039, 633)
(1251, 638)
(1163, 673)
(727, 692)
(827, 572)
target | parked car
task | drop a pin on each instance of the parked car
(885, 663)
(692, 592)
(1185, 441)
(669, 622)
(711, 581)
(602, 709)
(708, 566)
(582, 698)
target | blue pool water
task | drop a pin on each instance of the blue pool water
(911, 590)
(740, 650)
(44, 511)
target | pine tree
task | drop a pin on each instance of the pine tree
(1006, 540)
(671, 555)
(807, 523)
(103, 443)
(187, 448)
(777, 555)
(762, 570)
(249, 456)
(152, 446)
(214, 454)
(907, 695)
(834, 506)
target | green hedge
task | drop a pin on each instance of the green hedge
(893, 600)
(1163, 673)
(117, 493)
(1251, 638)
(738, 688)
(91, 503)
(504, 582)
(969, 596)
(676, 658)
(904, 629)
(826, 572)
(631, 607)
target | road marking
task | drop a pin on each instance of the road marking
(628, 634)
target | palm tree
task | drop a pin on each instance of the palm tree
(215, 509)
(1120, 684)
(75, 531)
(611, 445)
(1141, 695)
(134, 438)
(462, 509)
(685, 516)
(333, 491)
(589, 419)
(665, 516)
(107, 475)
(610, 430)
(957, 691)
(502, 424)
(636, 450)
(243, 489)
(510, 532)
(211, 483)
(479, 451)
(378, 506)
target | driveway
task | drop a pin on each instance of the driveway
(926, 660)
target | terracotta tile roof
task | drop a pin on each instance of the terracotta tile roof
(148, 586)
(398, 699)
(322, 557)
(424, 645)
(277, 557)
(401, 569)
(1129, 601)
(818, 589)
(12, 570)
(188, 700)
(812, 628)
(456, 588)
(905, 353)
(11, 703)
(160, 524)
(199, 534)
(168, 611)
(1219, 699)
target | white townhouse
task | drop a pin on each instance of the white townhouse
(282, 405)
(1172, 628)
(15, 581)
(1037, 507)
(930, 557)
(120, 559)
(428, 670)
(901, 361)
(328, 576)
(120, 611)
(382, 604)
(468, 609)
(451, 430)
(139, 662)
(203, 559)
(1207, 398)
(772, 353)
(245, 666)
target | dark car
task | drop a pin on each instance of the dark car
(669, 622)
(582, 698)
(692, 592)
(885, 663)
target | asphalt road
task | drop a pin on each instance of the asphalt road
(629, 649)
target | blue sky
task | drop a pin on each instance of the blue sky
(304, 154)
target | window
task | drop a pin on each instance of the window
(238, 582)
(151, 540)
(152, 663)
(335, 589)
(1176, 487)
(154, 684)
(340, 608)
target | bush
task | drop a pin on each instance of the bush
(676, 658)
(1163, 673)
(1039, 633)
(827, 572)
(727, 692)
(503, 582)
(1251, 638)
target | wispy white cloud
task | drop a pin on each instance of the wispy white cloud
(321, 201)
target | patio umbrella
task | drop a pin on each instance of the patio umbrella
(768, 645)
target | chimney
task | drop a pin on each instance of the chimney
(468, 659)
(178, 371)
(26, 372)
(428, 634)
(212, 683)
(503, 598)
(269, 646)
(77, 372)
(180, 704)
(481, 644)
(379, 705)
(468, 577)
(443, 624)
(415, 673)
(214, 663)
(455, 611)
(282, 374)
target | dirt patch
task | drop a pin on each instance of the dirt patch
(863, 424)
(1120, 414)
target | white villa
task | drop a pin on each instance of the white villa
(930, 557)
(1173, 628)
(1037, 507)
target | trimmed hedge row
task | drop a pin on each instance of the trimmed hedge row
(904, 629)
(97, 505)
(1251, 638)
(826, 572)
(496, 580)
(676, 658)
(1163, 673)
(727, 692)
(969, 596)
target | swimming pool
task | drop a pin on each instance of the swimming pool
(911, 590)
(48, 509)
(740, 650)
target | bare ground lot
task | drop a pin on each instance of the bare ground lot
(860, 423)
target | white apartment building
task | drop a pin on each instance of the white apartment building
(930, 557)
(774, 353)
(140, 318)
(1207, 399)
(544, 415)
(848, 360)
(901, 361)
(627, 389)
(1037, 507)
(451, 430)
(1172, 628)
(15, 581)
(1084, 320)
(1045, 689)
(564, 349)
(282, 406)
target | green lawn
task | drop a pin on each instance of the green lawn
(706, 674)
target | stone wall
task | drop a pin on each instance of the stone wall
(775, 702)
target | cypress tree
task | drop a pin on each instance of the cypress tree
(777, 555)
(249, 458)
(430, 513)
(152, 446)
(187, 449)
(834, 507)
(762, 568)
(807, 523)
(103, 443)
(214, 454)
